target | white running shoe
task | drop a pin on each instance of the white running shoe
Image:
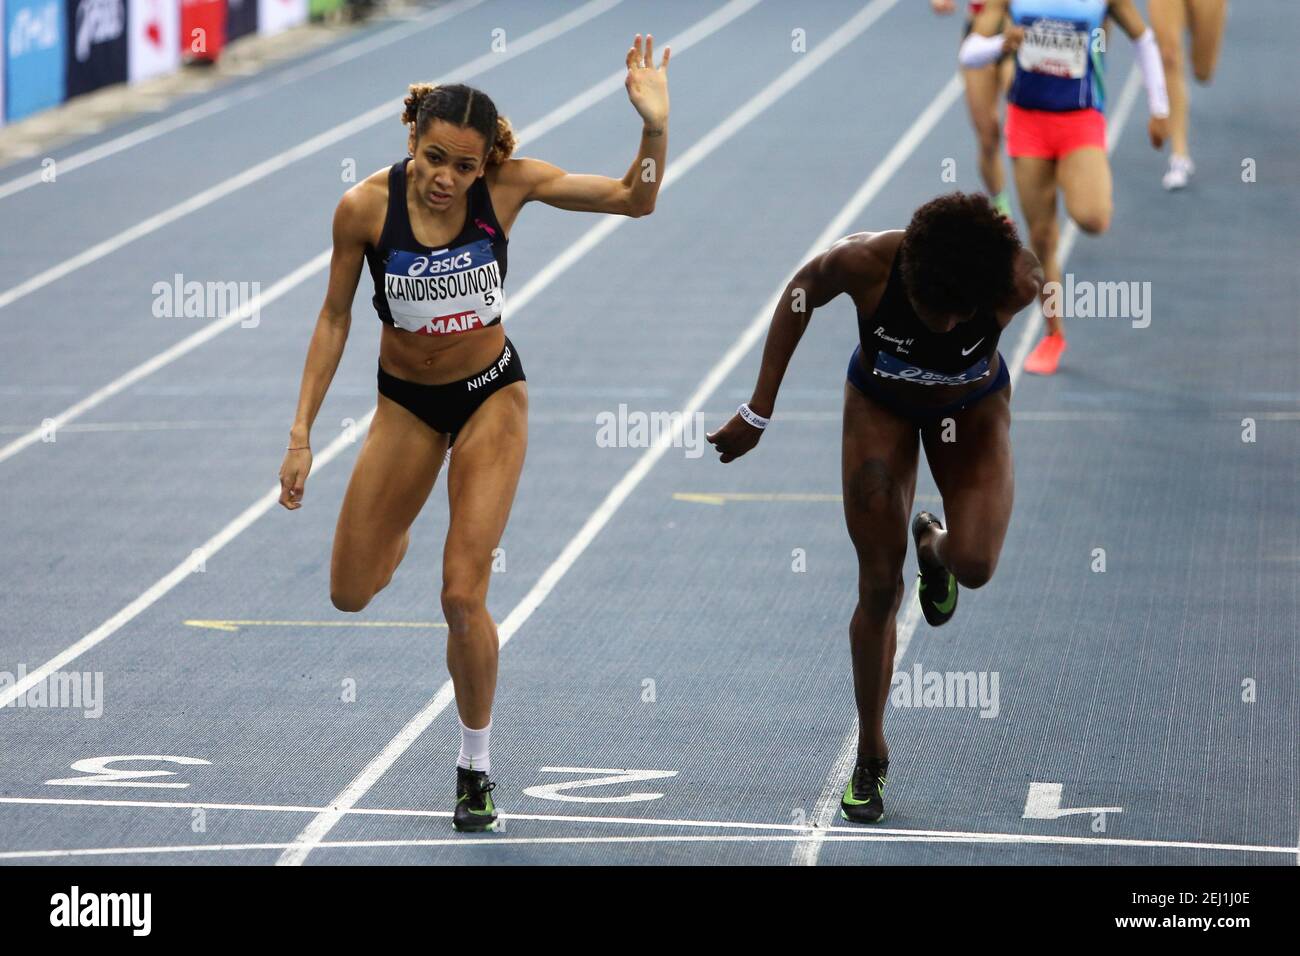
(1180, 171)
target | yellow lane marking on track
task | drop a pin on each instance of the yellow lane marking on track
(236, 625)
(722, 497)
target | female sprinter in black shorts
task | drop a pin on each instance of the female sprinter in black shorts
(932, 301)
(433, 230)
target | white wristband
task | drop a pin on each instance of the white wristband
(977, 50)
(752, 417)
(1153, 73)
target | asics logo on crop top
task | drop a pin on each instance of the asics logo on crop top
(890, 366)
(423, 264)
(444, 292)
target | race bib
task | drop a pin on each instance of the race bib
(1055, 48)
(446, 291)
(890, 366)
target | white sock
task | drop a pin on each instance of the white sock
(474, 748)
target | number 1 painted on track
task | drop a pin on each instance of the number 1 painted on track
(1044, 803)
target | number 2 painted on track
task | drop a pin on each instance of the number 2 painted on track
(100, 774)
(552, 791)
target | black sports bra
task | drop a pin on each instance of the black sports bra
(444, 291)
(896, 345)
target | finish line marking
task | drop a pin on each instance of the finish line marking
(786, 832)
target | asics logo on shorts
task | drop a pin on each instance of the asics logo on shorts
(889, 366)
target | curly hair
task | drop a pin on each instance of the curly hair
(464, 106)
(958, 253)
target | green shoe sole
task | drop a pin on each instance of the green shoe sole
(490, 827)
(879, 819)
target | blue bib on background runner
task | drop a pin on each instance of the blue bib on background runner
(1059, 64)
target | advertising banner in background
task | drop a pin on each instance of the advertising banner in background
(241, 18)
(4, 43)
(318, 8)
(203, 29)
(35, 36)
(97, 44)
(274, 16)
(155, 38)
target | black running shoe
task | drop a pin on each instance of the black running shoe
(863, 800)
(937, 590)
(474, 810)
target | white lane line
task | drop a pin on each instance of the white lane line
(585, 418)
(794, 829)
(322, 824)
(163, 426)
(174, 577)
(806, 853)
(385, 111)
(310, 68)
(719, 134)
(557, 117)
(382, 812)
(259, 508)
(167, 356)
(838, 835)
(1028, 334)
(266, 502)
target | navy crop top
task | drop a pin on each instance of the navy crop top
(444, 291)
